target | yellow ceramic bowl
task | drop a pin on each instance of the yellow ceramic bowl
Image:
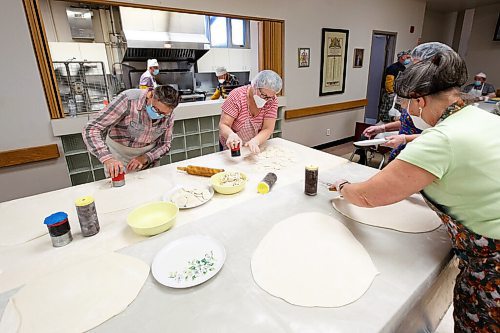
(153, 218)
(222, 189)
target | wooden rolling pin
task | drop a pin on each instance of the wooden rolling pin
(200, 171)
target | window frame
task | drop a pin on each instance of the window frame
(229, 33)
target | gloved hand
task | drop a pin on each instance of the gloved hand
(337, 183)
(253, 145)
(394, 141)
(373, 130)
(114, 167)
(233, 140)
(137, 163)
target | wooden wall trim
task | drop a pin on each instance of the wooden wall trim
(174, 9)
(322, 109)
(28, 155)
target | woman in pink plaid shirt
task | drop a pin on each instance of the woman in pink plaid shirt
(249, 112)
(135, 129)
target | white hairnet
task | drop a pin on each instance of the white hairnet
(428, 50)
(268, 79)
(220, 71)
(152, 63)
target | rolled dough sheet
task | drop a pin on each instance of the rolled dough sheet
(311, 259)
(411, 215)
(76, 298)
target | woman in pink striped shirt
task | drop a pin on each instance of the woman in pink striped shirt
(249, 112)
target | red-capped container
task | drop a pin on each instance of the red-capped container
(235, 152)
(119, 180)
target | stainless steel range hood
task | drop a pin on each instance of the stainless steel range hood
(162, 35)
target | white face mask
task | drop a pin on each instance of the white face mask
(418, 121)
(259, 101)
(221, 81)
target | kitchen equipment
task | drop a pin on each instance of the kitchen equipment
(189, 196)
(311, 180)
(59, 229)
(228, 182)
(200, 171)
(87, 215)
(188, 261)
(372, 142)
(153, 218)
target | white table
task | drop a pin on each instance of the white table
(411, 292)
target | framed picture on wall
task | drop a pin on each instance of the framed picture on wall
(333, 61)
(358, 58)
(304, 57)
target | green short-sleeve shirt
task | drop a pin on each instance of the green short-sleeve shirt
(463, 152)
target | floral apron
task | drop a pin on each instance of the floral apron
(476, 297)
(408, 128)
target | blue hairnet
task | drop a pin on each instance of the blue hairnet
(268, 79)
(428, 50)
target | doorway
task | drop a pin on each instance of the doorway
(382, 54)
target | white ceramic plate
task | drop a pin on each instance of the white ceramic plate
(373, 142)
(177, 191)
(188, 261)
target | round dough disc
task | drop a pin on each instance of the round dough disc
(411, 215)
(311, 259)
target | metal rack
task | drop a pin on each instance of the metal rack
(191, 138)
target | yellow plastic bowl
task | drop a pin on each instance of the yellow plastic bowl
(153, 218)
(215, 181)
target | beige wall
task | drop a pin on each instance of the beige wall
(24, 118)
(483, 54)
(439, 26)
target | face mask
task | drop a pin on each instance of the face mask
(407, 62)
(156, 72)
(259, 101)
(221, 81)
(418, 121)
(477, 83)
(152, 113)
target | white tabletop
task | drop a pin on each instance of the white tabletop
(409, 264)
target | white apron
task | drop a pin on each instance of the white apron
(123, 153)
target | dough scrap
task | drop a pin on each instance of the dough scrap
(411, 215)
(311, 259)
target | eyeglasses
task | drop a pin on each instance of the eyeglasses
(264, 96)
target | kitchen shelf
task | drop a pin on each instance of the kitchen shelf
(191, 138)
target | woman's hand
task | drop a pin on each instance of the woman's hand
(233, 140)
(137, 163)
(374, 130)
(253, 145)
(336, 184)
(114, 167)
(395, 141)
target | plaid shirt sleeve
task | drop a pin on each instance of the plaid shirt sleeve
(231, 105)
(95, 132)
(162, 143)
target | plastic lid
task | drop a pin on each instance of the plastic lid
(263, 188)
(84, 201)
(55, 218)
(311, 167)
(121, 176)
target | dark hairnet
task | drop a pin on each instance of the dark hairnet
(167, 95)
(441, 72)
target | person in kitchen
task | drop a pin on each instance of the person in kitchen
(480, 88)
(134, 131)
(391, 73)
(225, 79)
(148, 77)
(407, 130)
(249, 113)
(454, 163)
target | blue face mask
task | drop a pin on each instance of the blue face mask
(477, 83)
(156, 71)
(152, 113)
(407, 62)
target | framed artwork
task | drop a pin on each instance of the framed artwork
(497, 30)
(358, 58)
(333, 61)
(304, 57)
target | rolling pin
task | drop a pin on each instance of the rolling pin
(200, 171)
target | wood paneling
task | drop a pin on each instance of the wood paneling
(28, 155)
(271, 43)
(44, 60)
(322, 109)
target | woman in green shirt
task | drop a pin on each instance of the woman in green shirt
(455, 165)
